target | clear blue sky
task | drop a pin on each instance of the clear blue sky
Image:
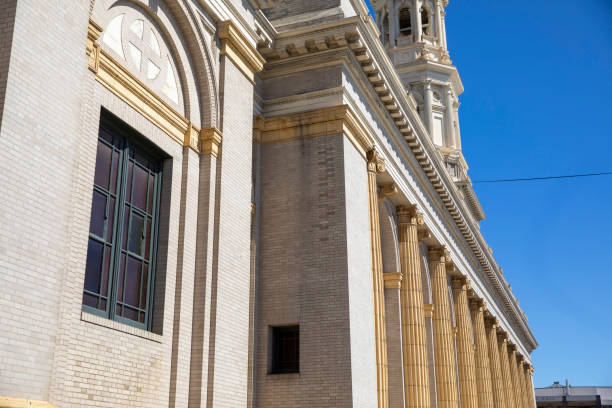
(538, 102)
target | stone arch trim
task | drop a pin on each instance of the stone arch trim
(197, 51)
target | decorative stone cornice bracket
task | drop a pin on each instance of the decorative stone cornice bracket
(237, 48)
(387, 190)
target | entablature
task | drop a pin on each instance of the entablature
(357, 35)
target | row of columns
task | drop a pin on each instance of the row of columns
(475, 364)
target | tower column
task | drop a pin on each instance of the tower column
(450, 119)
(428, 107)
(505, 366)
(376, 165)
(446, 377)
(414, 336)
(456, 126)
(443, 28)
(483, 371)
(418, 24)
(497, 379)
(438, 18)
(465, 349)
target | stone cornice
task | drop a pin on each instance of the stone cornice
(353, 34)
(237, 47)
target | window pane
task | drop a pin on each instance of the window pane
(143, 292)
(128, 183)
(126, 221)
(103, 165)
(111, 219)
(132, 281)
(141, 178)
(114, 172)
(136, 234)
(93, 266)
(148, 240)
(105, 270)
(121, 278)
(98, 211)
(151, 191)
(90, 300)
(130, 313)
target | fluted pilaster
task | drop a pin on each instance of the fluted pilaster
(483, 371)
(516, 389)
(446, 377)
(376, 165)
(414, 336)
(497, 380)
(465, 348)
(505, 365)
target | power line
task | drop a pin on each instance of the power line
(543, 178)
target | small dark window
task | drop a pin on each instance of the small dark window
(120, 267)
(405, 22)
(285, 350)
(425, 21)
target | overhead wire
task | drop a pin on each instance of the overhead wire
(607, 173)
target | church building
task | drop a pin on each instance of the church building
(244, 204)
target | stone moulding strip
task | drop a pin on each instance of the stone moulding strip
(132, 91)
(348, 33)
(6, 402)
(237, 48)
(311, 124)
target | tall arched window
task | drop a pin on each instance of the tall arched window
(425, 21)
(405, 22)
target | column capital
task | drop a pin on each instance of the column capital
(439, 254)
(393, 280)
(492, 321)
(210, 139)
(477, 304)
(376, 163)
(409, 214)
(511, 347)
(460, 283)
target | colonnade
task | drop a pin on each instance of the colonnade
(476, 364)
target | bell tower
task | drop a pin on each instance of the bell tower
(414, 35)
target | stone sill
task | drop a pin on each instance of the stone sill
(121, 327)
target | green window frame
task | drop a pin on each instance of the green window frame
(124, 224)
